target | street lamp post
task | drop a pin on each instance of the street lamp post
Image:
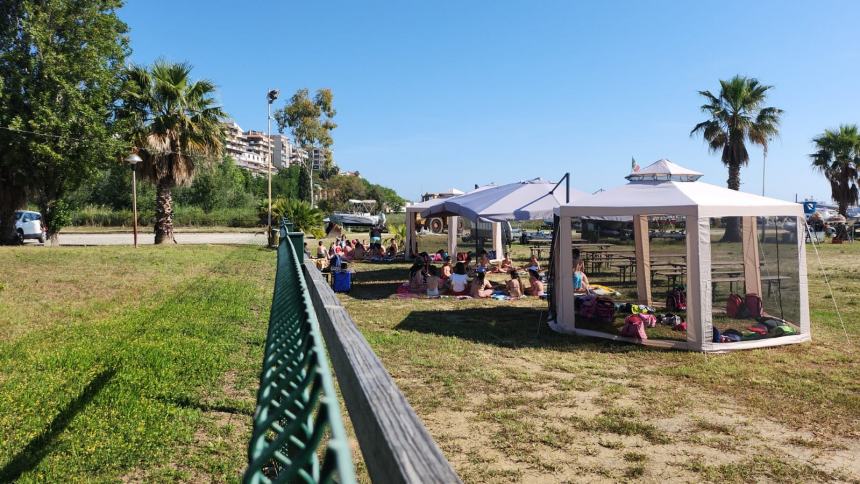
(271, 96)
(133, 159)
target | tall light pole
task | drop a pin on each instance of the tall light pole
(271, 96)
(133, 159)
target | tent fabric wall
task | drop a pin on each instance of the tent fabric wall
(698, 202)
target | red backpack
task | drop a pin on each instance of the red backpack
(753, 305)
(735, 307)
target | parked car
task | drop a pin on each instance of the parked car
(29, 225)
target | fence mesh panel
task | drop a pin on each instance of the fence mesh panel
(298, 434)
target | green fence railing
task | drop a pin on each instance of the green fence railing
(298, 434)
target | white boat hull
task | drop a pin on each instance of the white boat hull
(354, 219)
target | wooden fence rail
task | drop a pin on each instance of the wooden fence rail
(394, 442)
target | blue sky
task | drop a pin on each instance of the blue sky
(432, 95)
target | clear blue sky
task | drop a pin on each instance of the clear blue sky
(432, 95)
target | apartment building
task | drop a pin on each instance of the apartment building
(251, 149)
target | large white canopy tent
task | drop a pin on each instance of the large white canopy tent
(666, 189)
(534, 199)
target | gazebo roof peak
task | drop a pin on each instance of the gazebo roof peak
(664, 170)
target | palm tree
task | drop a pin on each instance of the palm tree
(737, 116)
(838, 158)
(175, 123)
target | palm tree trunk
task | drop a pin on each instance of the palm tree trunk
(732, 224)
(163, 212)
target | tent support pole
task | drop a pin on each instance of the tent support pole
(643, 259)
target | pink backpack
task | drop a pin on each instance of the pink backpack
(634, 327)
(649, 320)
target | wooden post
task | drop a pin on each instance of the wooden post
(752, 267)
(643, 259)
(453, 222)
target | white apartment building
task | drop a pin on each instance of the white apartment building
(251, 150)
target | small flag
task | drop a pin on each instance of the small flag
(633, 165)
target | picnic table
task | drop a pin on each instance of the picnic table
(537, 250)
(771, 281)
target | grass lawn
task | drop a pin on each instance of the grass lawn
(506, 404)
(135, 365)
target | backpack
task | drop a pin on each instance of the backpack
(732, 335)
(634, 327)
(585, 306)
(753, 305)
(604, 310)
(676, 300)
(735, 307)
(342, 281)
(649, 320)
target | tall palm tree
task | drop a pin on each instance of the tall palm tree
(737, 116)
(838, 158)
(175, 124)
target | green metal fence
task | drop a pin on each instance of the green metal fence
(298, 434)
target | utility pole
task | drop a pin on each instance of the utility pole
(271, 96)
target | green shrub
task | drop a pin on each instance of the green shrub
(190, 216)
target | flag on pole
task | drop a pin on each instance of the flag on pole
(633, 165)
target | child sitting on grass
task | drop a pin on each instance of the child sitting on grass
(433, 281)
(446, 269)
(515, 289)
(459, 280)
(536, 288)
(481, 287)
(506, 265)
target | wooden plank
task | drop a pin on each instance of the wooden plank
(396, 446)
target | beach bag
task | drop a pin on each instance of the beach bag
(634, 327)
(676, 300)
(342, 281)
(604, 310)
(731, 335)
(753, 306)
(586, 306)
(735, 307)
(649, 320)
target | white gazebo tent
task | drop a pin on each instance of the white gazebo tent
(534, 199)
(666, 189)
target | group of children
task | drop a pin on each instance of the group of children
(357, 250)
(465, 278)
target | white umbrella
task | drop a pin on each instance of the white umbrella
(527, 200)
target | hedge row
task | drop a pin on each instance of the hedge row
(182, 216)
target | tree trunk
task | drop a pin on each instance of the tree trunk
(11, 198)
(732, 224)
(163, 212)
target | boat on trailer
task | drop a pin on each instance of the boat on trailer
(360, 214)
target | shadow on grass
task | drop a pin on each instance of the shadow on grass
(378, 283)
(31, 455)
(185, 402)
(505, 326)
